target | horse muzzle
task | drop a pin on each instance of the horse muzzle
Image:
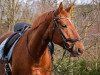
(76, 52)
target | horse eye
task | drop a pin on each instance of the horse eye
(64, 25)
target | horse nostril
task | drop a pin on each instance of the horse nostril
(77, 52)
(80, 50)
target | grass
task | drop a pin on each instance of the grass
(76, 67)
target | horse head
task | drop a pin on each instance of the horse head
(63, 32)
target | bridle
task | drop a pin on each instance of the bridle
(64, 39)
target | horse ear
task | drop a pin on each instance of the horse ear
(69, 8)
(60, 7)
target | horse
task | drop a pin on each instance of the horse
(31, 55)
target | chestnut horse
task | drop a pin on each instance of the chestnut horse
(31, 55)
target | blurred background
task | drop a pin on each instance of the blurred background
(85, 14)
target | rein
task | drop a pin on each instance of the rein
(55, 20)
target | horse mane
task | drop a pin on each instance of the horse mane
(41, 19)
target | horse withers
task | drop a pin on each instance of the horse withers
(31, 55)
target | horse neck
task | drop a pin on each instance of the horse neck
(39, 39)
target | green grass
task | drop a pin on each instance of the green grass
(76, 67)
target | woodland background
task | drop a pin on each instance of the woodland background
(85, 16)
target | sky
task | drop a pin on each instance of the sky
(77, 1)
(83, 1)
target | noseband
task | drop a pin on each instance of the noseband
(64, 39)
